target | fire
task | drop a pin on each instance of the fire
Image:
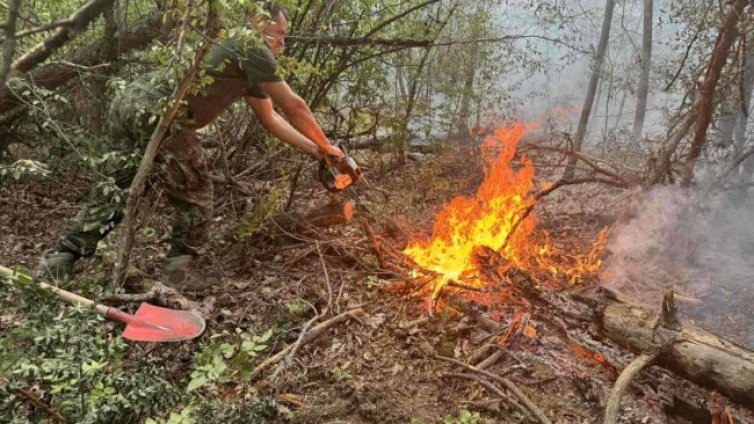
(497, 217)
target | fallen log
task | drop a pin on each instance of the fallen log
(695, 354)
(331, 215)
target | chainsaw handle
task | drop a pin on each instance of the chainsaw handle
(326, 177)
(65, 295)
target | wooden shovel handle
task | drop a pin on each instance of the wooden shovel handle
(65, 295)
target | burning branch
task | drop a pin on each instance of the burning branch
(492, 226)
(537, 197)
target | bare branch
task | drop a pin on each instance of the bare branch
(46, 27)
(52, 75)
(140, 179)
(81, 19)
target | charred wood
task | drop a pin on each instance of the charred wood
(692, 353)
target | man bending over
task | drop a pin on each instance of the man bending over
(240, 69)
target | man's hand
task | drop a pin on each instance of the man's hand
(333, 155)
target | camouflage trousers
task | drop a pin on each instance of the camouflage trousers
(181, 169)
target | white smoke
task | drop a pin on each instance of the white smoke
(701, 246)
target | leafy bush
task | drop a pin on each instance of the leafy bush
(74, 362)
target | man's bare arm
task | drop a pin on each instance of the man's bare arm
(280, 128)
(300, 116)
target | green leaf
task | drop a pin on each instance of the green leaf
(264, 337)
(196, 383)
(92, 367)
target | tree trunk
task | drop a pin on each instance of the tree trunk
(599, 57)
(619, 115)
(412, 91)
(642, 91)
(9, 47)
(739, 133)
(696, 355)
(413, 87)
(728, 120)
(725, 38)
(461, 126)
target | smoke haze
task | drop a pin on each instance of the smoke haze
(701, 246)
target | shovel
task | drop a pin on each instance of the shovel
(149, 324)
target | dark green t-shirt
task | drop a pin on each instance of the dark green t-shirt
(237, 67)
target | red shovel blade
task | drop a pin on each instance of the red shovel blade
(155, 324)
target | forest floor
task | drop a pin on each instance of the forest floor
(383, 367)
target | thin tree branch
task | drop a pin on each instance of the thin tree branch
(34, 399)
(417, 42)
(81, 19)
(531, 406)
(624, 379)
(46, 27)
(685, 57)
(150, 153)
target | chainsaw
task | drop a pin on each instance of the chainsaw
(340, 176)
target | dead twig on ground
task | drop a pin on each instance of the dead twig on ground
(624, 379)
(488, 361)
(317, 315)
(309, 337)
(531, 406)
(462, 286)
(375, 244)
(39, 403)
(667, 320)
(489, 386)
(157, 293)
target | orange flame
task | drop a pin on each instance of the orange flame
(496, 217)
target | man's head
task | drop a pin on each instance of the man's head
(273, 28)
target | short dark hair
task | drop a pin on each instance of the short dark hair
(272, 7)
